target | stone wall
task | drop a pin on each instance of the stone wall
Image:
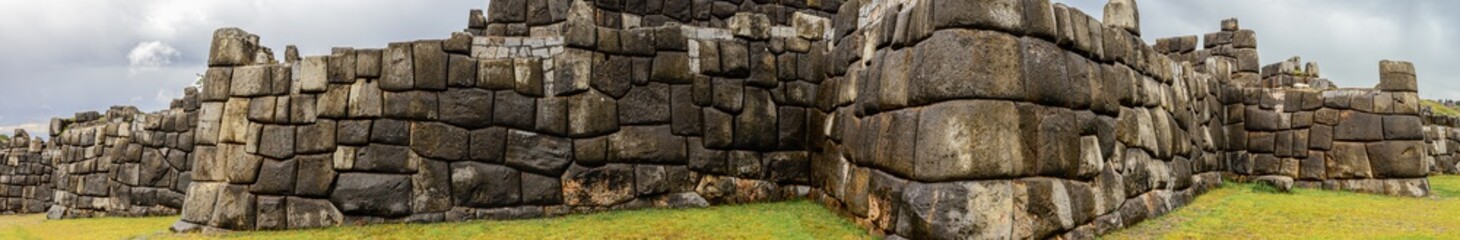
(25, 178)
(123, 163)
(1442, 141)
(915, 118)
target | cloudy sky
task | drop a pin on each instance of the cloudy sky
(61, 57)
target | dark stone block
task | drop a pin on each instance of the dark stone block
(1397, 159)
(538, 153)
(993, 69)
(1398, 127)
(373, 194)
(645, 105)
(467, 108)
(462, 71)
(316, 174)
(514, 111)
(755, 127)
(412, 105)
(353, 132)
(656, 144)
(390, 131)
(541, 190)
(277, 142)
(279, 180)
(488, 145)
(484, 185)
(1358, 126)
(384, 158)
(316, 138)
(439, 141)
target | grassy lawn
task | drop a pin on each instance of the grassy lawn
(1245, 211)
(786, 220)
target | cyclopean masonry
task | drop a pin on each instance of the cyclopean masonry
(917, 119)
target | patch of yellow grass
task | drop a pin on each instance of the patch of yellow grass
(1243, 211)
(36, 226)
(1441, 109)
(785, 220)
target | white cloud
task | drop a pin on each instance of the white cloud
(151, 55)
(33, 129)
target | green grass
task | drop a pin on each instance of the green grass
(1246, 211)
(785, 220)
(1441, 109)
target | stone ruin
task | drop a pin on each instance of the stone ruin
(916, 119)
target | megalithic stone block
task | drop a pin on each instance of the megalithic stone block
(1397, 76)
(397, 69)
(1123, 14)
(232, 47)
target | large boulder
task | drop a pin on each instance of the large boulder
(483, 185)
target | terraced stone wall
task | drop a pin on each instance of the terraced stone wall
(595, 109)
(1441, 139)
(123, 163)
(25, 178)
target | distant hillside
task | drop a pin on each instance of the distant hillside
(1441, 109)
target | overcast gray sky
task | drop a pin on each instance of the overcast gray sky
(61, 57)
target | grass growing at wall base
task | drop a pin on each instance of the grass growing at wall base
(1247, 211)
(784, 220)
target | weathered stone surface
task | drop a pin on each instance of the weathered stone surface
(635, 144)
(591, 114)
(232, 47)
(1358, 126)
(488, 145)
(1398, 127)
(251, 81)
(529, 75)
(755, 127)
(367, 63)
(384, 158)
(353, 132)
(541, 190)
(1123, 14)
(279, 180)
(1397, 76)
(461, 71)
(672, 68)
(271, 213)
(484, 185)
(1281, 183)
(390, 131)
(234, 209)
(278, 142)
(199, 205)
(439, 141)
(538, 153)
(1348, 160)
(412, 105)
(602, 186)
(316, 176)
(316, 138)
(1003, 15)
(366, 99)
(397, 70)
(948, 150)
(467, 108)
(645, 105)
(514, 110)
(312, 213)
(993, 69)
(1397, 159)
(496, 74)
(957, 209)
(373, 194)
